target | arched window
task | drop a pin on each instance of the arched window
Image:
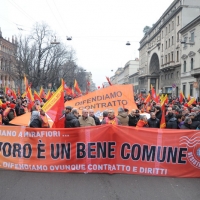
(192, 63)
(184, 67)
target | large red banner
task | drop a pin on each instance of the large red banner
(101, 149)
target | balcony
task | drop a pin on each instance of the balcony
(185, 74)
(195, 72)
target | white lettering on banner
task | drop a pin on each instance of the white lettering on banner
(85, 168)
(8, 133)
(39, 134)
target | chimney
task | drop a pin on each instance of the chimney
(0, 33)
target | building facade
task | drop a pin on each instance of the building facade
(7, 61)
(190, 59)
(122, 75)
(160, 48)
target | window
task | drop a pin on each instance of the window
(166, 30)
(184, 89)
(165, 59)
(162, 47)
(172, 56)
(162, 77)
(169, 28)
(172, 40)
(192, 37)
(191, 89)
(162, 34)
(168, 76)
(166, 44)
(169, 57)
(169, 42)
(177, 74)
(185, 40)
(184, 66)
(178, 20)
(162, 61)
(177, 36)
(173, 25)
(165, 76)
(177, 56)
(192, 63)
(172, 75)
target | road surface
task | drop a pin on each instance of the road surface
(15, 185)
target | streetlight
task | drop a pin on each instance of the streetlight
(69, 38)
(55, 42)
(128, 43)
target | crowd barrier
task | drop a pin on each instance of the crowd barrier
(101, 149)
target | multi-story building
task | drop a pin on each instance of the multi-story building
(133, 79)
(122, 74)
(190, 59)
(160, 48)
(7, 61)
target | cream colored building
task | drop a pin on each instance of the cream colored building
(122, 75)
(190, 59)
(160, 48)
(7, 61)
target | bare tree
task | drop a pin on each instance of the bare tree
(43, 62)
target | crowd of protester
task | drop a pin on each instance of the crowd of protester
(177, 115)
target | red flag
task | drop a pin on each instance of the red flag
(162, 121)
(148, 98)
(14, 95)
(8, 91)
(181, 97)
(76, 87)
(29, 95)
(42, 93)
(37, 97)
(188, 98)
(153, 93)
(108, 79)
(54, 108)
(18, 92)
(192, 101)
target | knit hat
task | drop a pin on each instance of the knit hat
(12, 105)
(4, 105)
(120, 109)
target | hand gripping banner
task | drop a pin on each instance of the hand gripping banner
(101, 149)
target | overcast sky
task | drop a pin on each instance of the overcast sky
(99, 28)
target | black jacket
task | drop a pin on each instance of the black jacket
(133, 120)
(154, 123)
(36, 123)
(159, 115)
(11, 115)
(194, 124)
(96, 119)
(197, 117)
(185, 126)
(71, 121)
(172, 123)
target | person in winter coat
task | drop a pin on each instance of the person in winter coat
(96, 119)
(187, 123)
(111, 119)
(143, 122)
(153, 122)
(171, 121)
(180, 121)
(133, 119)
(123, 117)
(35, 121)
(194, 123)
(158, 112)
(72, 119)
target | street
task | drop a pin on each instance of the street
(15, 185)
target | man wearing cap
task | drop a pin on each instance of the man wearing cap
(196, 110)
(96, 119)
(123, 117)
(72, 119)
(66, 112)
(194, 123)
(86, 120)
(171, 121)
